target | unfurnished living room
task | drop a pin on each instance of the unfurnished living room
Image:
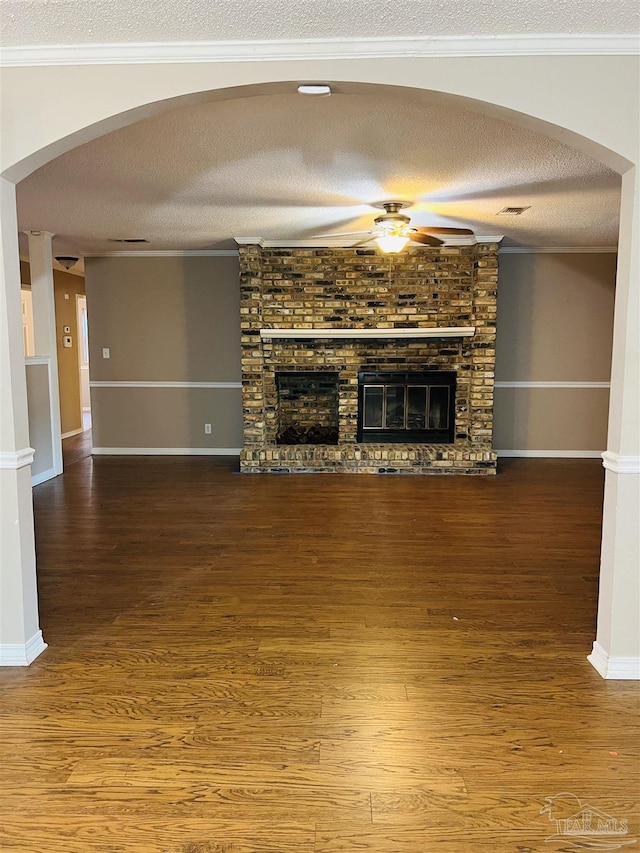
(319, 427)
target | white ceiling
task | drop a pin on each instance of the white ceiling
(271, 164)
(51, 22)
(282, 166)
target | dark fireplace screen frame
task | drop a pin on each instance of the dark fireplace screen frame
(410, 408)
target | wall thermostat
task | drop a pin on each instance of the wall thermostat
(66, 341)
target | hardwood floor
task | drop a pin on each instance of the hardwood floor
(314, 663)
(77, 447)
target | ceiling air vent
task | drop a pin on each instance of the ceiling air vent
(512, 211)
(129, 240)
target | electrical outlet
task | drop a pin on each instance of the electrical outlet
(207, 429)
(105, 352)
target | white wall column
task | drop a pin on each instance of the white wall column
(44, 328)
(616, 651)
(20, 636)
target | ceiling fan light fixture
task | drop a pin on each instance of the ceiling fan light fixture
(67, 261)
(390, 243)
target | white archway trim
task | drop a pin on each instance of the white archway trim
(22, 654)
(142, 53)
(614, 668)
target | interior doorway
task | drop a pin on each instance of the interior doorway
(83, 360)
(27, 322)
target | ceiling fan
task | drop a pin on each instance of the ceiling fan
(393, 230)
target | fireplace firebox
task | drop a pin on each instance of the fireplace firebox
(307, 407)
(412, 408)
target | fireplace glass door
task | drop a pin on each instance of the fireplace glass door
(406, 407)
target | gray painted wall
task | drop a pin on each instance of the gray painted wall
(555, 324)
(176, 319)
(38, 401)
(166, 319)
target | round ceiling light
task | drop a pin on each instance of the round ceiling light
(314, 89)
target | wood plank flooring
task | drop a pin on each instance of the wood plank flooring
(320, 663)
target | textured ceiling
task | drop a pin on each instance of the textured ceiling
(283, 167)
(49, 22)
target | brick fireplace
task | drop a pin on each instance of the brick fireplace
(315, 321)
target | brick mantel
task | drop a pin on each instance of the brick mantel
(347, 310)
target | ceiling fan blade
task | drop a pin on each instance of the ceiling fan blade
(446, 230)
(363, 242)
(425, 239)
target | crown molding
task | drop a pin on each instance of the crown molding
(558, 250)
(339, 242)
(166, 253)
(141, 53)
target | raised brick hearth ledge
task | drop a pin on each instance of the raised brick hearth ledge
(461, 458)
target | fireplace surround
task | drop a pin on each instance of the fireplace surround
(315, 321)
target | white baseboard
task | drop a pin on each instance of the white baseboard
(614, 668)
(17, 654)
(71, 433)
(551, 454)
(36, 479)
(167, 451)
(518, 383)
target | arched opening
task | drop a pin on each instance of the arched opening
(24, 165)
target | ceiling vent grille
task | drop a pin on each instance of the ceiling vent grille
(512, 211)
(129, 240)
